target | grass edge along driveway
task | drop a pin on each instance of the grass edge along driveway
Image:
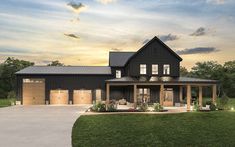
(184, 129)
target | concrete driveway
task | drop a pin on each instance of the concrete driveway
(38, 126)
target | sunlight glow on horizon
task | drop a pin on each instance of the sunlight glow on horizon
(83, 32)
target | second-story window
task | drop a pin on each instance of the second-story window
(166, 69)
(118, 74)
(143, 68)
(154, 69)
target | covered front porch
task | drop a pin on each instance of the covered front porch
(168, 93)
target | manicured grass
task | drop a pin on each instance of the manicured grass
(5, 102)
(185, 129)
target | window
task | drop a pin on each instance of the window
(142, 68)
(118, 74)
(143, 95)
(166, 69)
(154, 69)
(33, 81)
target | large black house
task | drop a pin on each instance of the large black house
(151, 74)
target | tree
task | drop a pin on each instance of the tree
(7, 74)
(55, 63)
(183, 71)
(208, 70)
(229, 78)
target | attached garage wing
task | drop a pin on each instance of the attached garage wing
(82, 97)
(33, 91)
(59, 97)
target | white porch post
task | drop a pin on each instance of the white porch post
(200, 97)
(161, 94)
(107, 95)
(188, 97)
(135, 96)
(214, 93)
(181, 93)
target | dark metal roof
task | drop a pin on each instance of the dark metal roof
(160, 80)
(119, 59)
(89, 70)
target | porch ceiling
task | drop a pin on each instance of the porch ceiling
(160, 80)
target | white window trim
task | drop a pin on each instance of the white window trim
(156, 69)
(144, 71)
(118, 73)
(168, 73)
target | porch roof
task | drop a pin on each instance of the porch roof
(155, 79)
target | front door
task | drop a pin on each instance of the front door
(168, 97)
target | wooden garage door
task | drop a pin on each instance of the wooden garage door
(82, 97)
(33, 91)
(59, 97)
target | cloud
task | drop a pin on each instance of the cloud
(13, 50)
(197, 50)
(216, 2)
(77, 7)
(199, 32)
(106, 1)
(72, 36)
(168, 37)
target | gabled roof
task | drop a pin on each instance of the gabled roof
(70, 70)
(119, 59)
(158, 40)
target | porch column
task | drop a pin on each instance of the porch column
(188, 97)
(135, 96)
(214, 93)
(200, 97)
(107, 95)
(161, 94)
(181, 93)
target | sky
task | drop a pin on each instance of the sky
(82, 32)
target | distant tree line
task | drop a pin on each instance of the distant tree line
(209, 70)
(212, 70)
(7, 74)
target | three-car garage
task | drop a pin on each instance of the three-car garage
(61, 85)
(34, 94)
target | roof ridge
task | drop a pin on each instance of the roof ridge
(122, 51)
(66, 66)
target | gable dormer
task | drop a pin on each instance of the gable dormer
(154, 59)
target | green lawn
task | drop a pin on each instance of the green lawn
(185, 129)
(5, 102)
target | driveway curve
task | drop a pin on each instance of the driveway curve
(38, 126)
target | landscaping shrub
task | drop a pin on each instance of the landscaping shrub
(143, 107)
(223, 103)
(112, 106)
(157, 107)
(99, 107)
(213, 107)
(196, 106)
